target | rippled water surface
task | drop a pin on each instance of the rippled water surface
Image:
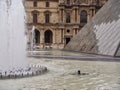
(62, 75)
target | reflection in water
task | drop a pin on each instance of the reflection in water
(62, 75)
(55, 53)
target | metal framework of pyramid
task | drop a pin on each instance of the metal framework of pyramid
(102, 34)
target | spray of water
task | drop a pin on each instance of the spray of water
(12, 35)
(33, 38)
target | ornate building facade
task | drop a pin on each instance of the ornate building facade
(53, 23)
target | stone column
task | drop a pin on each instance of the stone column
(88, 17)
(78, 16)
(42, 41)
(54, 36)
(75, 11)
(42, 36)
(64, 16)
(60, 16)
(62, 35)
(73, 16)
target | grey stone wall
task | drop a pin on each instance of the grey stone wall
(102, 34)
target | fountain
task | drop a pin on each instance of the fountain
(33, 39)
(13, 61)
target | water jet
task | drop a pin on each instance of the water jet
(13, 60)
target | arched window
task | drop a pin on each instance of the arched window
(37, 36)
(48, 36)
(68, 17)
(97, 2)
(83, 16)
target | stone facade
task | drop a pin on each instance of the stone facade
(102, 34)
(55, 22)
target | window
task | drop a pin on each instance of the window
(47, 4)
(35, 18)
(83, 16)
(48, 36)
(97, 2)
(35, 3)
(47, 18)
(92, 12)
(68, 2)
(67, 17)
(37, 36)
(68, 31)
